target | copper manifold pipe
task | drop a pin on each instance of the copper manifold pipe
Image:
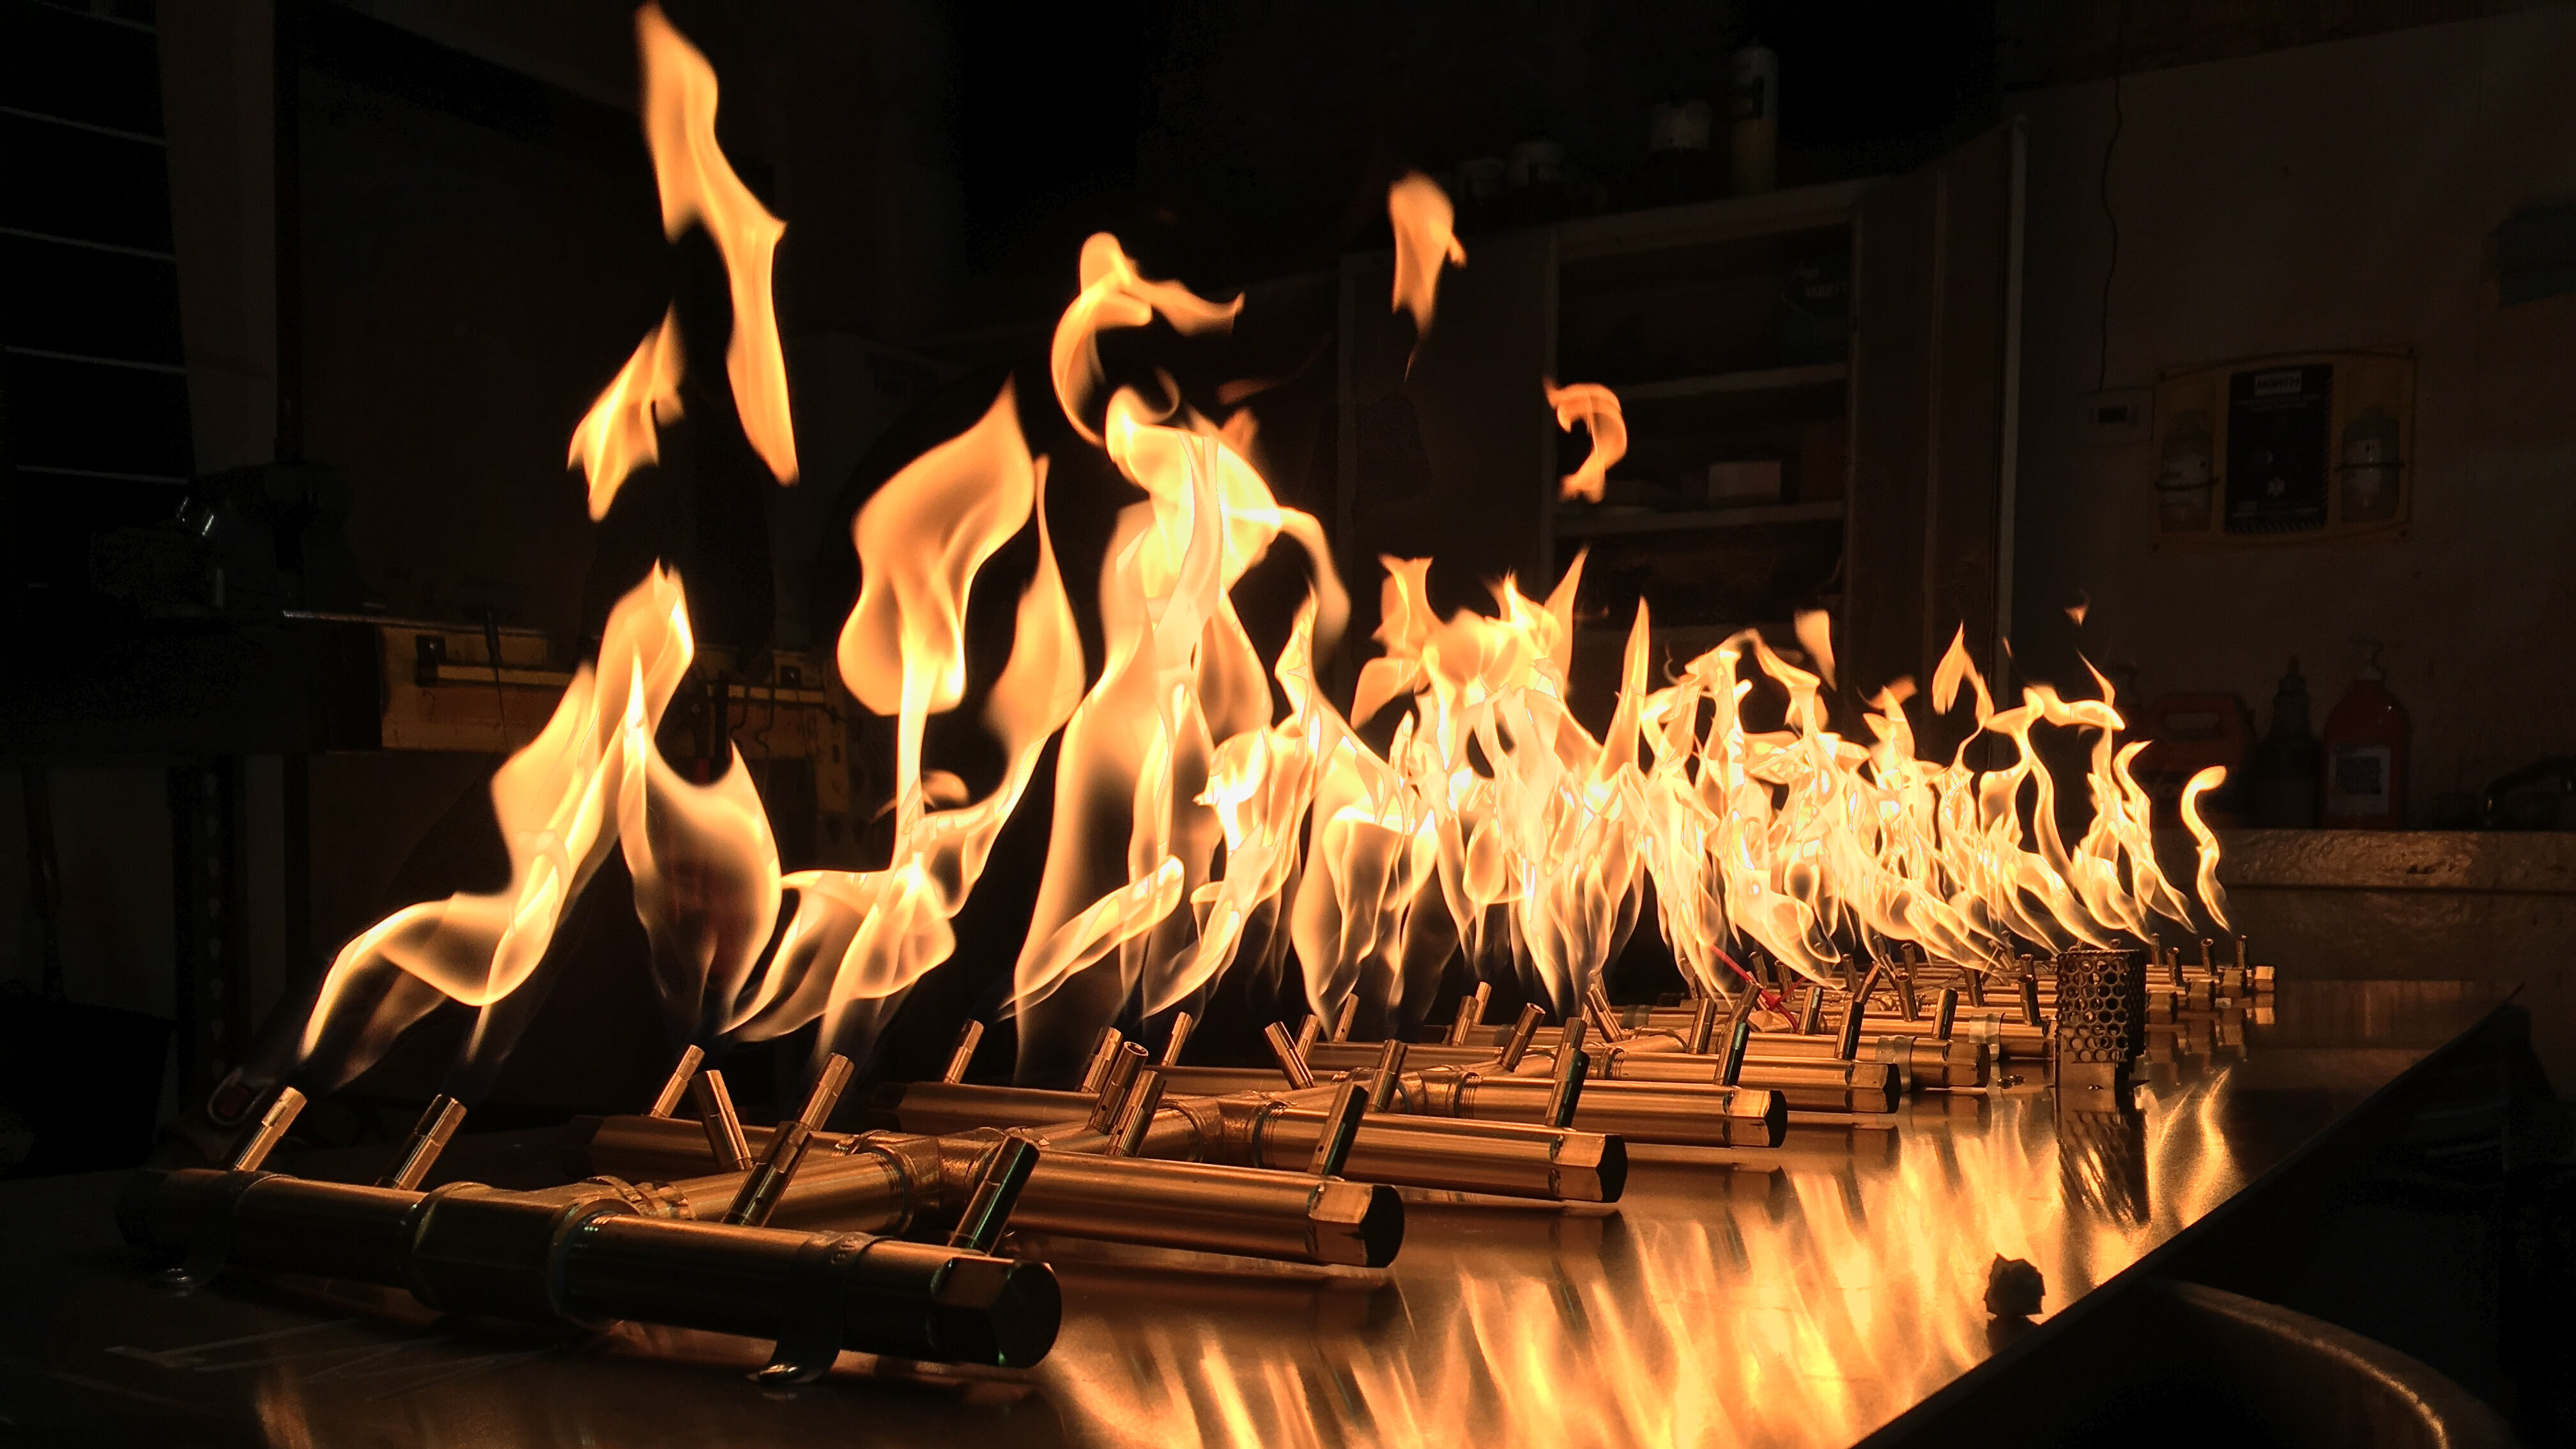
(1686, 1115)
(1279, 1132)
(890, 1182)
(1804, 1085)
(1963, 1061)
(592, 1253)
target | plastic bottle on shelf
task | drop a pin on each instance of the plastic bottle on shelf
(2365, 755)
(2289, 762)
(1753, 119)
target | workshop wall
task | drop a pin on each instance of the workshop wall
(2343, 195)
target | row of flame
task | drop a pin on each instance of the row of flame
(1493, 823)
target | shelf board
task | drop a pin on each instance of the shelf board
(1579, 526)
(1806, 208)
(1766, 379)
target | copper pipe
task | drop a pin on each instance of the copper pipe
(1506, 1159)
(1182, 1022)
(1212, 1208)
(1309, 1032)
(1964, 1061)
(961, 1056)
(1218, 1081)
(1605, 1017)
(1847, 1040)
(2030, 1000)
(1136, 1113)
(826, 1094)
(1390, 1070)
(1689, 1116)
(676, 1086)
(429, 1137)
(1730, 1068)
(1292, 1062)
(761, 1188)
(1517, 1045)
(1703, 1025)
(1525, 1100)
(1811, 1013)
(894, 1181)
(1945, 1018)
(588, 1255)
(1975, 982)
(1958, 1062)
(723, 1128)
(1104, 1052)
(997, 1192)
(1113, 1091)
(1812, 1085)
(1471, 1012)
(1343, 1019)
(1341, 1124)
(263, 1139)
(1565, 1092)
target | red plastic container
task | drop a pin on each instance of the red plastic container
(2187, 733)
(2366, 743)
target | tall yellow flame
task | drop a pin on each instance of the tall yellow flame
(698, 185)
(558, 801)
(1200, 825)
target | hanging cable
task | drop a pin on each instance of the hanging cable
(2119, 44)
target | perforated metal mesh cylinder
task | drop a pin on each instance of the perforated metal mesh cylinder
(2101, 1016)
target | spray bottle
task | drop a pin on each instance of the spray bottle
(2366, 745)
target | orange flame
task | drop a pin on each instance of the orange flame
(1493, 827)
(1424, 241)
(618, 434)
(1115, 295)
(861, 938)
(1597, 409)
(559, 801)
(698, 186)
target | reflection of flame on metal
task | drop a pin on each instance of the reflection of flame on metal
(1196, 826)
(2102, 1162)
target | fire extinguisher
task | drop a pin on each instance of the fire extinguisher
(2366, 740)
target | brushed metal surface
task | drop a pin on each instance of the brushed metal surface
(1800, 1295)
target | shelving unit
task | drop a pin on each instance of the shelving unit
(1685, 314)
(1894, 443)
(1760, 379)
(1580, 526)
